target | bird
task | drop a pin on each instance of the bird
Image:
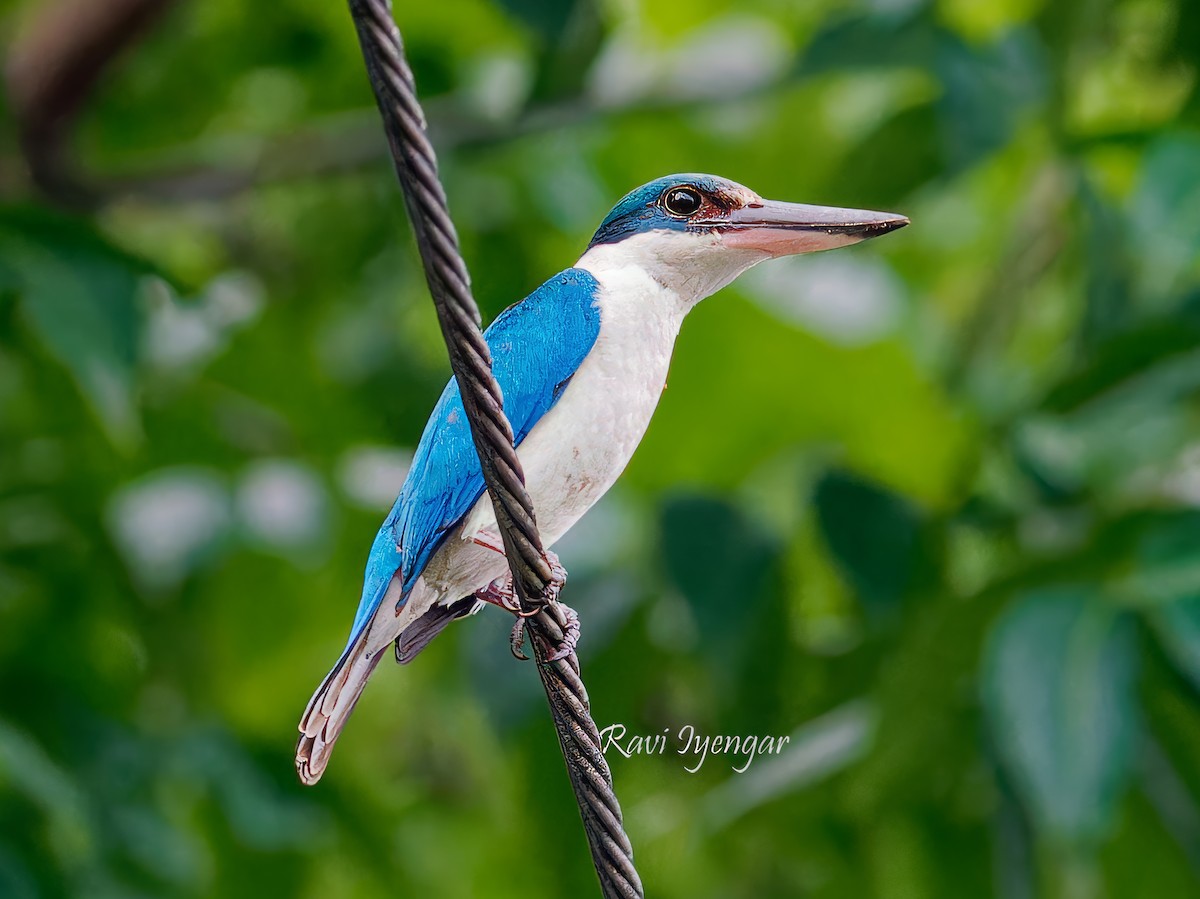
(581, 363)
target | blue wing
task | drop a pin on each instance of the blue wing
(537, 345)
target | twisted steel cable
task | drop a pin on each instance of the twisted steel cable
(470, 359)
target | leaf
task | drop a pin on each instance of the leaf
(1167, 578)
(815, 751)
(572, 37)
(987, 91)
(872, 401)
(1110, 263)
(931, 660)
(1185, 36)
(1178, 628)
(78, 295)
(1122, 355)
(1167, 561)
(868, 42)
(549, 18)
(15, 880)
(1165, 215)
(873, 535)
(28, 770)
(903, 150)
(719, 560)
(1058, 693)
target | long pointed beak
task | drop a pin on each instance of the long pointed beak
(784, 229)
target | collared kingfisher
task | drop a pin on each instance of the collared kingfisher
(581, 362)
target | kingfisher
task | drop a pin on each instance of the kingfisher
(581, 362)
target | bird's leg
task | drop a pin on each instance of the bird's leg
(489, 540)
(500, 592)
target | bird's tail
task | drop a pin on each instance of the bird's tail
(421, 632)
(331, 705)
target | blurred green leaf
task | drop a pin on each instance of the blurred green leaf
(986, 93)
(1185, 37)
(548, 18)
(1110, 270)
(985, 90)
(924, 696)
(572, 36)
(792, 389)
(78, 293)
(1178, 628)
(873, 534)
(904, 149)
(1167, 578)
(1058, 690)
(815, 751)
(1165, 215)
(163, 851)
(28, 770)
(1126, 353)
(1166, 561)
(866, 42)
(15, 880)
(259, 813)
(720, 561)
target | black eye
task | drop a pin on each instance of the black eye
(682, 201)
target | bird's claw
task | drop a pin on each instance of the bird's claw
(558, 575)
(554, 653)
(516, 639)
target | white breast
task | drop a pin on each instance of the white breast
(580, 447)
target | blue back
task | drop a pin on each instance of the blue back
(537, 345)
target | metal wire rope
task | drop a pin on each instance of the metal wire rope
(470, 359)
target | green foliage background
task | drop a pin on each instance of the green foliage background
(931, 505)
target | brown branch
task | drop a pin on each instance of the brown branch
(53, 68)
(348, 142)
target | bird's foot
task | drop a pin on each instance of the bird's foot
(560, 651)
(501, 593)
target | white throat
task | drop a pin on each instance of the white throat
(687, 267)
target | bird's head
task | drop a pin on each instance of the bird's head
(696, 233)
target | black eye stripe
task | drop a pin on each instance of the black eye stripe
(682, 201)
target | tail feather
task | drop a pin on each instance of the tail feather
(329, 708)
(421, 632)
(335, 699)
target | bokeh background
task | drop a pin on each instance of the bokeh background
(930, 505)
